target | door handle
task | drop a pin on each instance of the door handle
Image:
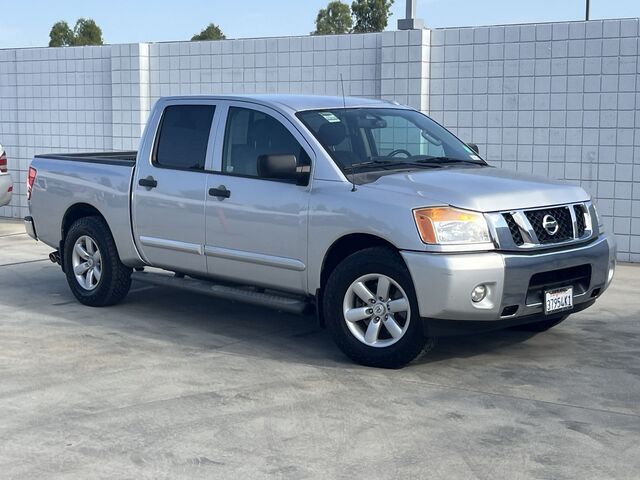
(220, 192)
(148, 182)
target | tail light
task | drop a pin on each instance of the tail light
(3, 162)
(30, 180)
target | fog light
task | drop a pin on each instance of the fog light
(479, 293)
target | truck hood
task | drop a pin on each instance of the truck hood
(482, 189)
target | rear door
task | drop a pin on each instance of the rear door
(169, 192)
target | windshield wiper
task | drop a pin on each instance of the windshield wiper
(387, 164)
(449, 160)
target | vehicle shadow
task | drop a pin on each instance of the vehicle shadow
(197, 323)
(275, 335)
(473, 344)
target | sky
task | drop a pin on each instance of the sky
(26, 23)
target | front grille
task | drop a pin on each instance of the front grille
(580, 222)
(514, 229)
(540, 227)
(561, 215)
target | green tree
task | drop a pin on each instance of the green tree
(371, 15)
(334, 19)
(212, 32)
(60, 35)
(87, 32)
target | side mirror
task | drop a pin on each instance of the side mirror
(474, 147)
(283, 167)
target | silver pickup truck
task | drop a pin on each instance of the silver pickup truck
(367, 212)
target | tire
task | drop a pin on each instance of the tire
(367, 267)
(541, 326)
(110, 281)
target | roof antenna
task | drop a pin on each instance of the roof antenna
(344, 104)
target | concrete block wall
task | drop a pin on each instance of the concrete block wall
(559, 100)
(52, 99)
(309, 65)
(405, 67)
(130, 101)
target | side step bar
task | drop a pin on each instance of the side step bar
(281, 302)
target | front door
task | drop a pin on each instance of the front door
(170, 189)
(256, 228)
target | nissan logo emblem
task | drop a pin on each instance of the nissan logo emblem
(550, 224)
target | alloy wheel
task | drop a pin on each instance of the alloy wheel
(376, 310)
(87, 262)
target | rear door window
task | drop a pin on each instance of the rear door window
(184, 136)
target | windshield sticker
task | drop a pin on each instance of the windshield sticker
(475, 157)
(330, 117)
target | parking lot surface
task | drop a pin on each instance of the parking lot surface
(174, 385)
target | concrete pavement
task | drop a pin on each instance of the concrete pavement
(174, 385)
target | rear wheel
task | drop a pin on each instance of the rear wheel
(541, 326)
(372, 311)
(93, 268)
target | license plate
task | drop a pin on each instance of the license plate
(558, 300)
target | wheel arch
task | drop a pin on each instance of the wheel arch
(348, 245)
(340, 249)
(74, 213)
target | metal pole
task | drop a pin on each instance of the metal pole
(411, 22)
(586, 13)
(411, 9)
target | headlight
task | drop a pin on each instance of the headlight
(448, 225)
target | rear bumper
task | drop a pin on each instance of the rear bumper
(30, 227)
(444, 282)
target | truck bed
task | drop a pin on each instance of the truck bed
(124, 158)
(100, 180)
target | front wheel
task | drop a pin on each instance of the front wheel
(372, 311)
(93, 268)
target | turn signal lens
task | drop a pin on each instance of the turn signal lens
(448, 225)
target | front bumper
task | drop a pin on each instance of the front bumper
(444, 282)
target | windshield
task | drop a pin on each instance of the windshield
(385, 138)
